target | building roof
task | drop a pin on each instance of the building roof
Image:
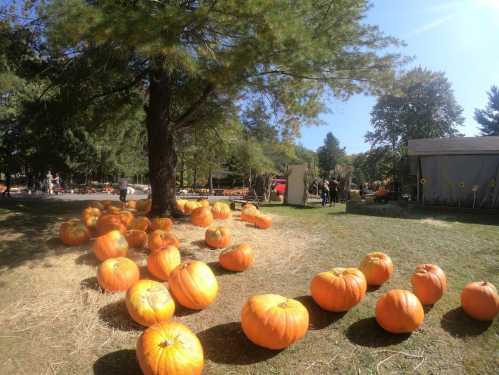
(454, 146)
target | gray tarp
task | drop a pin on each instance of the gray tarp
(445, 174)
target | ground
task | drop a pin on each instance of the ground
(55, 320)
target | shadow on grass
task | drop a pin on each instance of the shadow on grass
(319, 318)
(201, 244)
(115, 315)
(90, 283)
(88, 259)
(367, 332)
(121, 362)
(458, 324)
(218, 270)
(227, 344)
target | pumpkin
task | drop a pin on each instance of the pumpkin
(169, 348)
(249, 205)
(117, 274)
(193, 284)
(109, 222)
(179, 204)
(202, 217)
(263, 221)
(273, 321)
(162, 223)
(110, 245)
(237, 258)
(162, 262)
(136, 238)
(249, 213)
(339, 289)
(73, 233)
(141, 204)
(428, 283)
(159, 239)
(149, 302)
(126, 218)
(217, 237)
(106, 203)
(221, 211)
(91, 222)
(141, 223)
(190, 206)
(91, 211)
(479, 300)
(377, 267)
(113, 210)
(131, 204)
(399, 311)
(204, 203)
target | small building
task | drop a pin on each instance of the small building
(459, 171)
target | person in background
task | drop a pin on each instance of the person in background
(333, 191)
(50, 184)
(57, 182)
(325, 192)
(6, 192)
(123, 189)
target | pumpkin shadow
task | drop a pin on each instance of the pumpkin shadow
(183, 311)
(319, 318)
(218, 270)
(227, 344)
(459, 324)
(54, 242)
(427, 308)
(90, 283)
(115, 315)
(367, 332)
(201, 244)
(88, 259)
(372, 288)
(121, 362)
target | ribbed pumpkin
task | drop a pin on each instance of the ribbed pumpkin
(180, 203)
(109, 222)
(117, 274)
(162, 262)
(110, 245)
(141, 223)
(204, 203)
(193, 284)
(73, 233)
(136, 238)
(162, 223)
(91, 223)
(217, 237)
(126, 218)
(273, 321)
(202, 217)
(479, 300)
(169, 348)
(428, 283)
(377, 267)
(237, 258)
(221, 211)
(263, 221)
(399, 311)
(159, 239)
(91, 212)
(339, 289)
(249, 213)
(190, 206)
(149, 302)
(249, 205)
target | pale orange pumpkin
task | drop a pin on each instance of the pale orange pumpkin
(263, 221)
(126, 218)
(249, 213)
(180, 203)
(399, 311)
(162, 262)
(109, 222)
(190, 206)
(91, 212)
(113, 210)
(161, 223)
(204, 203)
(377, 267)
(136, 238)
(113, 244)
(73, 233)
(479, 300)
(141, 223)
(217, 237)
(117, 274)
(131, 204)
(159, 239)
(221, 211)
(428, 283)
(237, 258)
(202, 217)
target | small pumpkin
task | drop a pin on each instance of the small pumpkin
(339, 289)
(377, 267)
(193, 284)
(141, 204)
(190, 206)
(237, 258)
(113, 244)
(117, 274)
(249, 213)
(428, 283)
(91, 223)
(126, 218)
(263, 221)
(109, 222)
(217, 237)
(204, 203)
(162, 223)
(273, 321)
(162, 262)
(149, 302)
(141, 223)
(113, 210)
(159, 239)
(479, 300)
(169, 348)
(399, 311)
(73, 233)
(221, 211)
(131, 204)
(136, 238)
(180, 203)
(91, 211)
(202, 217)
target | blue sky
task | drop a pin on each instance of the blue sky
(458, 37)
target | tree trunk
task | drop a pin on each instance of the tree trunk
(195, 178)
(210, 181)
(182, 166)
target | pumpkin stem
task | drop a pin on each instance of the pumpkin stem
(283, 305)
(166, 343)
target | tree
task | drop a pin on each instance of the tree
(488, 118)
(330, 154)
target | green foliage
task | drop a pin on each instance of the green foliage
(330, 154)
(488, 118)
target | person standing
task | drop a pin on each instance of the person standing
(123, 189)
(325, 192)
(6, 192)
(50, 183)
(333, 191)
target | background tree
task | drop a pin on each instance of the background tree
(488, 118)
(330, 154)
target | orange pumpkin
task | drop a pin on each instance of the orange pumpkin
(237, 258)
(204, 203)
(131, 204)
(109, 222)
(159, 239)
(149, 302)
(141, 204)
(141, 223)
(339, 289)
(91, 211)
(399, 311)
(180, 203)
(377, 267)
(169, 348)
(202, 217)
(91, 223)
(217, 237)
(113, 210)
(162, 223)
(190, 206)
(263, 221)
(73, 233)
(479, 300)
(126, 218)
(136, 238)
(117, 274)
(162, 262)
(249, 213)
(273, 321)
(110, 245)
(193, 284)
(428, 283)
(221, 211)
(249, 205)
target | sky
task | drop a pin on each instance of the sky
(457, 37)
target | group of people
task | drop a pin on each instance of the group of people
(329, 192)
(52, 182)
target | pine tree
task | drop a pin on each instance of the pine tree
(488, 118)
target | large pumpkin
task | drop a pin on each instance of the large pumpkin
(273, 321)
(149, 302)
(117, 274)
(141, 223)
(136, 238)
(399, 311)
(169, 348)
(221, 211)
(162, 262)
(109, 222)
(237, 258)
(126, 218)
(377, 267)
(202, 217)
(263, 221)
(110, 245)
(159, 239)
(339, 289)
(249, 213)
(193, 284)
(73, 233)
(479, 300)
(217, 237)
(190, 206)
(162, 223)
(428, 283)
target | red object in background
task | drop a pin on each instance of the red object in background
(280, 185)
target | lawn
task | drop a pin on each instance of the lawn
(55, 319)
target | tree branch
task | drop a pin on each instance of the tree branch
(183, 120)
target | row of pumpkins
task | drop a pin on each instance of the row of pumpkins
(167, 347)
